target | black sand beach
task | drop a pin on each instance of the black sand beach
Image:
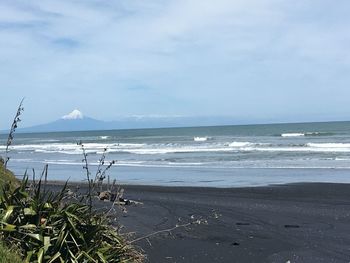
(308, 222)
(287, 223)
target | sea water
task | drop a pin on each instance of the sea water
(220, 156)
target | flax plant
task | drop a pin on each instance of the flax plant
(47, 227)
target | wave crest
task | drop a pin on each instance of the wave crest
(201, 139)
(302, 134)
(293, 134)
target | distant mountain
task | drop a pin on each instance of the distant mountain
(76, 121)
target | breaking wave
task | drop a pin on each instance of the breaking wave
(201, 139)
(303, 134)
(292, 134)
(167, 148)
(240, 144)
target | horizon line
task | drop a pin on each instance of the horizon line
(4, 132)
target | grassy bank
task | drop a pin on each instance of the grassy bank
(6, 176)
(47, 229)
(6, 254)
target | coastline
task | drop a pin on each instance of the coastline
(303, 222)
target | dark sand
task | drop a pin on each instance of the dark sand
(299, 223)
(296, 223)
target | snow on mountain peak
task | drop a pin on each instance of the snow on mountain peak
(74, 115)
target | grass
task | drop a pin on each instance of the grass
(6, 176)
(6, 254)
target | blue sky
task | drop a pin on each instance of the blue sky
(257, 60)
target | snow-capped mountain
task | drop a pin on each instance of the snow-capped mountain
(74, 115)
(73, 121)
(77, 121)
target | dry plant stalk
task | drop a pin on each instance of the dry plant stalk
(100, 175)
(88, 174)
(169, 230)
(14, 126)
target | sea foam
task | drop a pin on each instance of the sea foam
(201, 139)
(296, 134)
(169, 148)
(302, 134)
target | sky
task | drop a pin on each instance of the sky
(252, 60)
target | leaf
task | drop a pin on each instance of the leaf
(76, 231)
(8, 228)
(61, 237)
(36, 236)
(28, 226)
(29, 256)
(29, 211)
(23, 193)
(48, 205)
(87, 256)
(47, 243)
(57, 255)
(75, 242)
(8, 213)
(40, 255)
(72, 255)
(103, 259)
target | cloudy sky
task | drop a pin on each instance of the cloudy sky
(257, 60)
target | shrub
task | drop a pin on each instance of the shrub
(46, 227)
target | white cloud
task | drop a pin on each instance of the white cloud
(192, 53)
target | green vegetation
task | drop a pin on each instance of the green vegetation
(48, 227)
(7, 255)
(45, 226)
(6, 177)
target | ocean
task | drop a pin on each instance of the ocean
(220, 156)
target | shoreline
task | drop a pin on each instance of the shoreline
(252, 177)
(301, 222)
(179, 187)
